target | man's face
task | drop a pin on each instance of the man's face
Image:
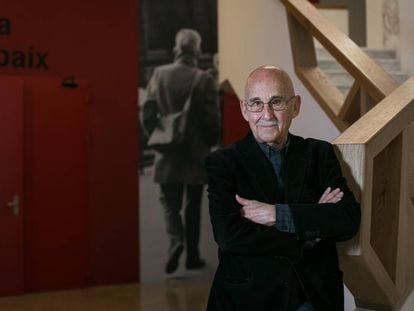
(270, 126)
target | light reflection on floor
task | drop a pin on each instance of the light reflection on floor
(171, 295)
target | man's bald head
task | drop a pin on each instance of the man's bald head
(269, 75)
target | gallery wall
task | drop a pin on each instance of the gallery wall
(99, 45)
(406, 43)
(96, 43)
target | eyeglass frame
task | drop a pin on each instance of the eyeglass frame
(269, 103)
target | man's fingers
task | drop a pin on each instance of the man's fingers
(326, 195)
(264, 214)
(242, 201)
(246, 203)
(256, 211)
(249, 211)
(331, 196)
(339, 196)
(336, 197)
(322, 199)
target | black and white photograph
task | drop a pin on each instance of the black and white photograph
(180, 124)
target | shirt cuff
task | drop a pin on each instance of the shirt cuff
(284, 219)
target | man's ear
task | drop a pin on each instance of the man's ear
(243, 110)
(296, 106)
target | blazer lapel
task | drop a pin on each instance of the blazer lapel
(259, 168)
(296, 168)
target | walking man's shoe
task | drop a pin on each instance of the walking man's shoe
(173, 258)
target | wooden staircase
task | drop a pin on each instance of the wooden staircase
(385, 58)
(375, 115)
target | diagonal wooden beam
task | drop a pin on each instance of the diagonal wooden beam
(307, 70)
(323, 90)
(370, 75)
(350, 110)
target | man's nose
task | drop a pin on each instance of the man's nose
(268, 111)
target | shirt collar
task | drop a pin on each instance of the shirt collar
(267, 149)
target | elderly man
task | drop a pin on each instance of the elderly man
(278, 203)
(180, 172)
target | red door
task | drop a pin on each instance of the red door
(56, 236)
(11, 186)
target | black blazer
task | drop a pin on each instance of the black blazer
(261, 268)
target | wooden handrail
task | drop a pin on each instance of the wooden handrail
(370, 75)
(395, 112)
(378, 160)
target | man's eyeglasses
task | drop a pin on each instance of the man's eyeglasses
(276, 103)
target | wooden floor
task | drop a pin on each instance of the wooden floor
(172, 295)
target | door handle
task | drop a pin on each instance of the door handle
(15, 205)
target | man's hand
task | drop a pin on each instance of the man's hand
(331, 196)
(258, 212)
(265, 214)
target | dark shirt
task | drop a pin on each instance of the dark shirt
(284, 219)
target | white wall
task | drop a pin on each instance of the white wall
(253, 33)
(374, 24)
(406, 44)
(339, 17)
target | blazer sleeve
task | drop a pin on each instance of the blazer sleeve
(336, 221)
(234, 233)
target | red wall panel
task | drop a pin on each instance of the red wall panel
(97, 42)
(234, 126)
(11, 186)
